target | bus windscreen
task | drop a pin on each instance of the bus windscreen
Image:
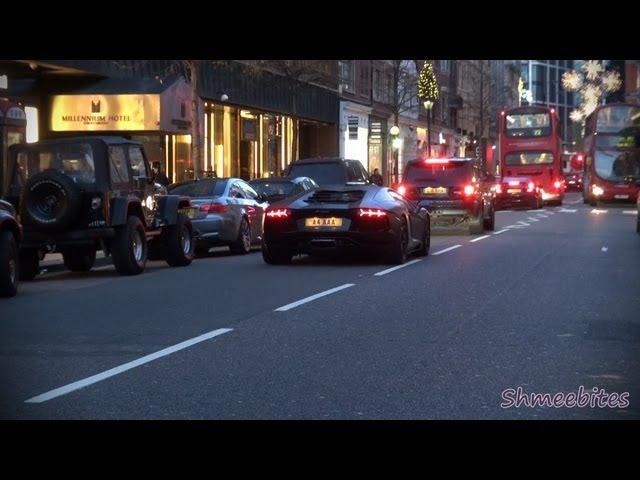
(528, 124)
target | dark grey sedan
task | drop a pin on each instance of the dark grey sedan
(229, 212)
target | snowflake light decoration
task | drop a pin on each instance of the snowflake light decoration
(592, 69)
(611, 81)
(571, 81)
(591, 93)
(576, 115)
(592, 85)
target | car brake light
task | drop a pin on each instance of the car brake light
(436, 161)
(213, 208)
(514, 183)
(557, 184)
(498, 188)
(530, 187)
(278, 213)
(371, 213)
(469, 190)
(402, 190)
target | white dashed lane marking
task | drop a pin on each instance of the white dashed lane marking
(393, 269)
(289, 306)
(57, 392)
(440, 252)
(501, 231)
(479, 238)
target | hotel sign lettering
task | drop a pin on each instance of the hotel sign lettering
(129, 112)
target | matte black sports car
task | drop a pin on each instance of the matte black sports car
(352, 218)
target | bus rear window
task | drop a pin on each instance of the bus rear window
(452, 172)
(528, 158)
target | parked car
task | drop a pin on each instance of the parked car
(453, 191)
(573, 181)
(364, 218)
(518, 192)
(277, 188)
(78, 194)
(330, 171)
(228, 212)
(10, 236)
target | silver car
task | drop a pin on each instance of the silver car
(229, 212)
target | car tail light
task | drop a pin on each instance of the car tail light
(557, 184)
(514, 183)
(498, 188)
(278, 213)
(213, 208)
(530, 187)
(371, 213)
(436, 161)
(402, 190)
(469, 190)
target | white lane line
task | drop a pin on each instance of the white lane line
(543, 215)
(598, 212)
(439, 252)
(537, 211)
(501, 231)
(479, 238)
(533, 219)
(393, 269)
(57, 392)
(502, 211)
(313, 297)
(604, 249)
(549, 213)
(568, 210)
(630, 212)
(525, 224)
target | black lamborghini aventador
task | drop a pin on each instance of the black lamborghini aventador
(346, 218)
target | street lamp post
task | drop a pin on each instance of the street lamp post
(428, 105)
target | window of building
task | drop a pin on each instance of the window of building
(347, 75)
(352, 125)
(365, 80)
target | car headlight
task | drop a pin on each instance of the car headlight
(597, 191)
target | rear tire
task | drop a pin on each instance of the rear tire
(275, 256)
(179, 242)
(398, 253)
(423, 251)
(9, 266)
(490, 223)
(242, 246)
(129, 247)
(79, 259)
(28, 264)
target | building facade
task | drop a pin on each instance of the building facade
(542, 82)
(632, 81)
(253, 120)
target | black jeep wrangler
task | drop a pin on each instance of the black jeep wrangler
(78, 194)
(10, 235)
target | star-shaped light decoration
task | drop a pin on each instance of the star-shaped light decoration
(611, 81)
(592, 68)
(576, 115)
(591, 93)
(571, 80)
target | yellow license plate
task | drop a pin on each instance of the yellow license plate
(514, 190)
(434, 190)
(320, 222)
(189, 211)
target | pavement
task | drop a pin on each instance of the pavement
(548, 302)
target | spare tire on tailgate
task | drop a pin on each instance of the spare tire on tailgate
(51, 201)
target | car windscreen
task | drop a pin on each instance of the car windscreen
(198, 188)
(528, 158)
(321, 173)
(274, 189)
(451, 173)
(74, 160)
(617, 165)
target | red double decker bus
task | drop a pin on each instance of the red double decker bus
(530, 146)
(612, 147)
